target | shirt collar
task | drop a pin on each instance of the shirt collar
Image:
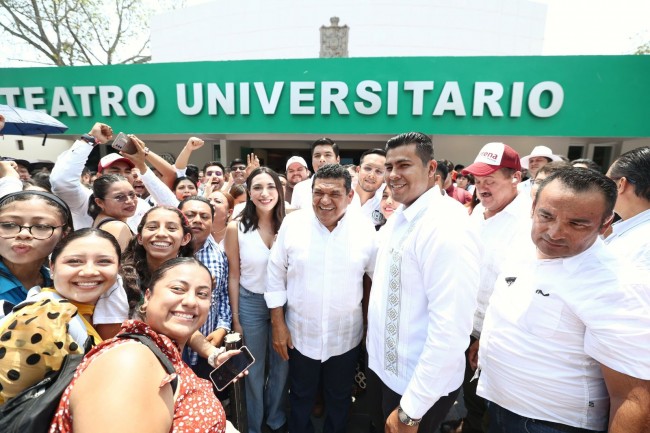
(338, 223)
(622, 226)
(421, 203)
(209, 243)
(571, 264)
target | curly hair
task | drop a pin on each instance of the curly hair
(135, 269)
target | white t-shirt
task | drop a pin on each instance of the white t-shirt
(549, 327)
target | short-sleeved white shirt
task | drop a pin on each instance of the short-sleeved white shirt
(549, 326)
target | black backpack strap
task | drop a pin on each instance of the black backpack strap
(166, 363)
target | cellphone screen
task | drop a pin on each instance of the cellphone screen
(228, 371)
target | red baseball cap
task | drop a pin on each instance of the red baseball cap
(492, 157)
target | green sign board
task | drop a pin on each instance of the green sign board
(581, 96)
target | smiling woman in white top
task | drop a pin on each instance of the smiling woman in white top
(248, 244)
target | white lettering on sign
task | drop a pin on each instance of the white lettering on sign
(144, 91)
(110, 98)
(298, 96)
(269, 105)
(557, 99)
(450, 100)
(306, 98)
(487, 94)
(333, 93)
(418, 88)
(224, 100)
(32, 101)
(85, 92)
(61, 103)
(367, 91)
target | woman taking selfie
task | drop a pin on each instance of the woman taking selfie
(248, 245)
(122, 386)
(84, 266)
(112, 202)
(31, 224)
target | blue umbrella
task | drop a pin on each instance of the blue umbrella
(20, 121)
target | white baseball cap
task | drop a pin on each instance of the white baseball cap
(295, 159)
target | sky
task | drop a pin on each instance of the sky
(573, 27)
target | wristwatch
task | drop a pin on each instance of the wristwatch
(405, 419)
(89, 139)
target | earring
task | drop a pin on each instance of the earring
(142, 309)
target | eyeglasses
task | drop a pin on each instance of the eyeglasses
(215, 173)
(238, 168)
(123, 198)
(41, 232)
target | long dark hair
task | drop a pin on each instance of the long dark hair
(100, 188)
(249, 218)
(136, 272)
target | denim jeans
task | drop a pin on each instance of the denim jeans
(504, 421)
(263, 393)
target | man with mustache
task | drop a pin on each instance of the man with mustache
(502, 217)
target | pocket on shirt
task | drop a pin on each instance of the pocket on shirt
(543, 315)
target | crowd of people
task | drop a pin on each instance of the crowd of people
(507, 279)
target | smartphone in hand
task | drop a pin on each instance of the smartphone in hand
(223, 375)
(124, 144)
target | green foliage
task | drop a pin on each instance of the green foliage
(643, 49)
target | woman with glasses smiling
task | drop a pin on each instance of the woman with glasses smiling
(31, 224)
(112, 202)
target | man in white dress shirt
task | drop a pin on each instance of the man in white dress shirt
(630, 238)
(565, 345)
(422, 297)
(501, 218)
(315, 271)
(323, 151)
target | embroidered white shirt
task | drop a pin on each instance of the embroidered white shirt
(439, 280)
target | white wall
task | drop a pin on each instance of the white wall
(283, 29)
(32, 147)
